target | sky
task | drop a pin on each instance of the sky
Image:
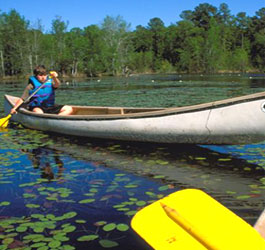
(82, 13)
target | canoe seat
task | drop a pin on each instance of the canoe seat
(119, 111)
(98, 111)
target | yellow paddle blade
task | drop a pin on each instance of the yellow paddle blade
(4, 121)
(191, 219)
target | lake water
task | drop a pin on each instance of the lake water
(62, 192)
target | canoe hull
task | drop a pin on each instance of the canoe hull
(238, 123)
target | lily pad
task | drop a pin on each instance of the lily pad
(32, 206)
(122, 227)
(100, 223)
(54, 244)
(4, 203)
(21, 229)
(88, 237)
(163, 188)
(243, 197)
(108, 243)
(69, 215)
(86, 201)
(109, 227)
(140, 203)
(7, 241)
(37, 245)
(80, 221)
(69, 229)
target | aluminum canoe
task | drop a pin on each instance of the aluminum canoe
(239, 120)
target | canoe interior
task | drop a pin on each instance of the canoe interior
(109, 110)
(95, 110)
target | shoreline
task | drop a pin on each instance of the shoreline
(66, 77)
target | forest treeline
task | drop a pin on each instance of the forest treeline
(207, 39)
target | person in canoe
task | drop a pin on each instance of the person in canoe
(44, 100)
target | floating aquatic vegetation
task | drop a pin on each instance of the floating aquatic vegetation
(27, 230)
(88, 237)
(89, 202)
(42, 229)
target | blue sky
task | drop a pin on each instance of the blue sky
(81, 13)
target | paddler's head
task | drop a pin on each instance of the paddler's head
(40, 73)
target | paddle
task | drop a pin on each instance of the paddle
(191, 219)
(4, 121)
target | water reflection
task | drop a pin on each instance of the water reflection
(48, 162)
(235, 182)
(91, 196)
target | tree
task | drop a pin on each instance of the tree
(189, 45)
(60, 52)
(170, 45)
(2, 71)
(208, 39)
(186, 15)
(203, 14)
(224, 14)
(141, 57)
(14, 43)
(257, 37)
(95, 51)
(116, 36)
(240, 60)
(157, 29)
(142, 39)
(213, 48)
(35, 36)
(242, 23)
(75, 43)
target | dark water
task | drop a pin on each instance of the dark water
(59, 192)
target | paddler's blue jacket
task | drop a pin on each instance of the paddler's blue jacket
(45, 97)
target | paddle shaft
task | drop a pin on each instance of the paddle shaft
(30, 96)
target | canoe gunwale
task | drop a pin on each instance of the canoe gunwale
(158, 112)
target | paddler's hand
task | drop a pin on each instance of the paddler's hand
(53, 74)
(55, 80)
(17, 105)
(13, 111)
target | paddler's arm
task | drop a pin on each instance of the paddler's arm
(55, 81)
(18, 103)
(24, 96)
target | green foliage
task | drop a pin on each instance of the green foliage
(240, 60)
(190, 47)
(141, 61)
(165, 67)
(213, 49)
(207, 39)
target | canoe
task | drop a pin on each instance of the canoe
(238, 120)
